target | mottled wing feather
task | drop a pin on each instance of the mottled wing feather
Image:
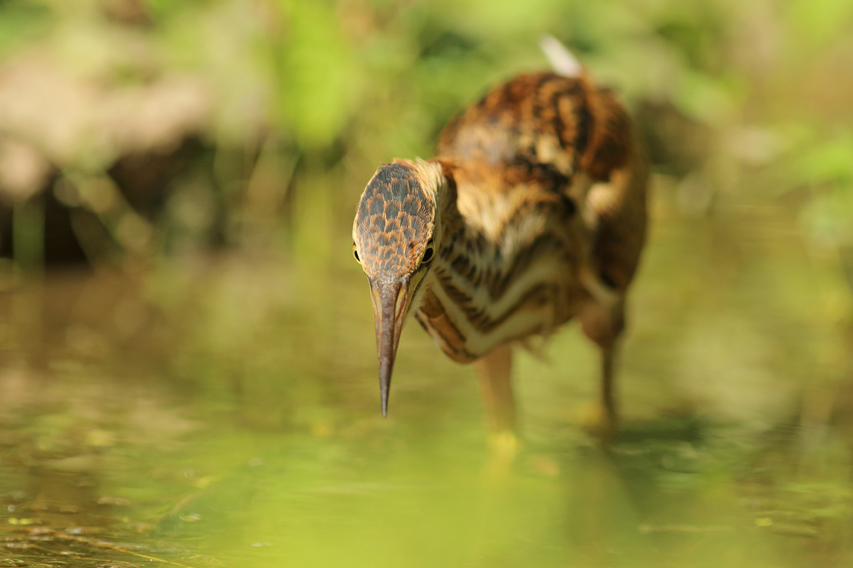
(530, 128)
(620, 229)
(545, 130)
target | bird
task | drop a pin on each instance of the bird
(532, 213)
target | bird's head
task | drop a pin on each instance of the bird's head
(396, 237)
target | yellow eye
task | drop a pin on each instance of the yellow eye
(355, 253)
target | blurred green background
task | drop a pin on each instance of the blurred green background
(136, 128)
(187, 364)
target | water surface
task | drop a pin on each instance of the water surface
(224, 412)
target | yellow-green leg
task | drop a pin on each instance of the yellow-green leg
(495, 374)
(603, 325)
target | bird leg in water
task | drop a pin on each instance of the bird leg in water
(608, 397)
(604, 325)
(494, 371)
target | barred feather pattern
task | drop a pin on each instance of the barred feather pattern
(486, 290)
(542, 188)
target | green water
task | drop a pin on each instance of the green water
(225, 413)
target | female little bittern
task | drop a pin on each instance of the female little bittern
(532, 212)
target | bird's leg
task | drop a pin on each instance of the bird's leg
(495, 374)
(608, 397)
(603, 325)
(494, 371)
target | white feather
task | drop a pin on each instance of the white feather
(561, 59)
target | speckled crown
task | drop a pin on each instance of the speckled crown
(393, 222)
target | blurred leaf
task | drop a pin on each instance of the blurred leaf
(319, 81)
(704, 97)
(22, 21)
(827, 161)
(819, 23)
(828, 217)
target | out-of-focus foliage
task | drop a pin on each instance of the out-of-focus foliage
(294, 102)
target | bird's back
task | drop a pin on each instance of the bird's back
(542, 137)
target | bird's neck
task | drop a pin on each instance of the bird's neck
(491, 280)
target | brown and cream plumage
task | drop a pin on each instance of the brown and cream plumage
(533, 212)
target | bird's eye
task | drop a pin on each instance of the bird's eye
(428, 253)
(355, 253)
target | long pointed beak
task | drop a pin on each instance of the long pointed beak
(390, 304)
